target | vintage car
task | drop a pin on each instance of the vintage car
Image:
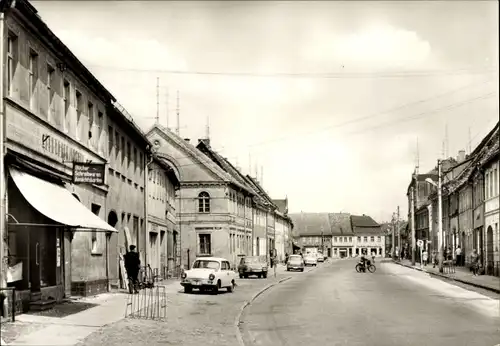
(209, 274)
(295, 262)
(253, 265)
(311, 260)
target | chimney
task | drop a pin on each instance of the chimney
(187, 139)
(461, 156)
(206, 141)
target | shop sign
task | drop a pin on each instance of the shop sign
(40, 137)
(89, 173)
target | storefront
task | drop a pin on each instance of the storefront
(43, 218)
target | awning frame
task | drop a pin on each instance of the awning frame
(65, 227)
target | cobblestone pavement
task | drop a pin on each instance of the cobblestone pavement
(192, 319)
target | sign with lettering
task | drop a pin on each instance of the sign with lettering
(89, 173)
(42, 138)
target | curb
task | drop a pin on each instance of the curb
(492, 289)
(237, 321)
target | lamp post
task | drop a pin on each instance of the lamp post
(440, 215)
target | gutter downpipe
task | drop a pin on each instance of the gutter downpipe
(146, 209)
(2, 151)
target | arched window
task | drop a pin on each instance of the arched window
(204, 202)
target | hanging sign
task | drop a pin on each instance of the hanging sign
(89, 173)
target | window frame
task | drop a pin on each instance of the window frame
(204, 202)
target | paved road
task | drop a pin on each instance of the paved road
(192, 319)
(334, 305)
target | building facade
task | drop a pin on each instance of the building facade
(369, 236)
(283, 229)
(162, 185)
(491, 167)
(56, 116)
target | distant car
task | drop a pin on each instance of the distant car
(311, 260)
(209, 274)
(320, 257)
(295, 262)
(253, 265)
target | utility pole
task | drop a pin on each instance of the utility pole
(412, 206)
(393, 238)
(178, 115)
(440, 219)
(399, 232)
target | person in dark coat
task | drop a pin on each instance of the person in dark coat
(132, 266)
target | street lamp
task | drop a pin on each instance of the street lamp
(440, 215)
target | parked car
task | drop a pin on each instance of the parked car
(320, 257)
(209, 274)
(253, 265)
(295, 262)
(311, 260)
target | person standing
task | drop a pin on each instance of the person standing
(132, 266)
(425, 257)
(474, 260)
(458, 254)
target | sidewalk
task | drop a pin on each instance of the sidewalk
(40, 329)
(463, 275)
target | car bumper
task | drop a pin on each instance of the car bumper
(295, 268)
(198, 284)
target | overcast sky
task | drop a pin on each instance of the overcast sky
(328, 97)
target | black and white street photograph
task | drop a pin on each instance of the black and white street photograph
(249, 173)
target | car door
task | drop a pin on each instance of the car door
(227, 277)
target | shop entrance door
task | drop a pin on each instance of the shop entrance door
(34, 255)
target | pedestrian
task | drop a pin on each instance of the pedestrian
(458, 254)
(474, 262)
(425, 257)
(397, 253)
(433, 258)
(132, 266)
(286, 257)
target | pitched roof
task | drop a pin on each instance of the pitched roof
(263, 197)
(364, 224)
(224, 163)
(340, 223)
(189, 149)
(282, 205)
(311, 224)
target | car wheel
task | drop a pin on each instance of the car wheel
(246, 276)
(188, 289)
(302, 270)
(215, 290)
(259, 275)
(230, 289)
(264, 275)
(241, 276)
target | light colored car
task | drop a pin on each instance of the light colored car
(320, 257)
(295, 262)
(209, 274)
(310, 260)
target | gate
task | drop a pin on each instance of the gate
(149, 304)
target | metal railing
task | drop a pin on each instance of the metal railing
(150, 303)
(8, 295)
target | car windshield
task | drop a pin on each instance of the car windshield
(251, 260)
(295, 259)
(206, 264)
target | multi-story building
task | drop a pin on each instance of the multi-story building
(56, 117)
(162, 184)
(283, 229)
(214, 215)
(490, 164)
(312, 231)
(343, 238)
(127, 152)
(369, 236)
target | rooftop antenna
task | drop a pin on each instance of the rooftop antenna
(167, 109)
(208, 128)
(178, 115)
(256, 172)
(470, 142)
(446, 143)
(157, 100)
(418, 159)
(262, 176)
(249, 163)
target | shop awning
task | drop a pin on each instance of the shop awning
(56, 202)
